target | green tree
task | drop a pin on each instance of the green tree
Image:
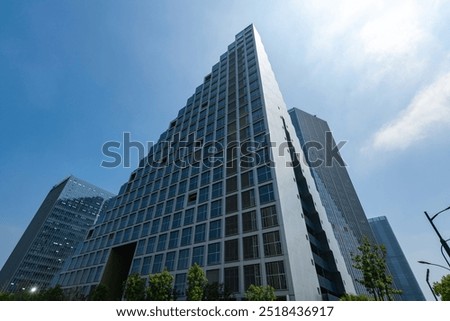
(372, 263)
(216, 292)
(100, 293)
(5, 296)
(196, 282)
(443, 288)
(260, 293)
(160, 287)
(354, 297)
(25, 296)
(134, 288)
(52, 294)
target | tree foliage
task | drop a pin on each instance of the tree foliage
(443, 288)
(196, 282)
(100, 293)
(372, 263)
(354, 297)
(49, 294)
(23, 296)
(52, 294)
(160, 287)
(260, 293)
(216, 292)
(5, 296)
(134, 288)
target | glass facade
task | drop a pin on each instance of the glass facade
(61, 223)
(338, 196)
(401, 272)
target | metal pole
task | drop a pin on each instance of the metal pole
(428, 282)
(438, 265)
(441, 239)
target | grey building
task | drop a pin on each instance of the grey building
(336, 190)
(401, 272)
(224, 187)
(60, 224)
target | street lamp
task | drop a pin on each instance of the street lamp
(428, 263)
(441, 239)
(428, 282)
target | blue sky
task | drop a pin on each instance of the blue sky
(76, 74)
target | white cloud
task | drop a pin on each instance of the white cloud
(377, 39)
(428, 111)
(395, 30)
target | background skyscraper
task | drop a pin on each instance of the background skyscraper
(60, 224)
(336, 190)
(401, 272)
(215, 191)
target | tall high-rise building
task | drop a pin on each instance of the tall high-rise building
(401, 272)
(60, 224)
(224, 187)
(336, 190)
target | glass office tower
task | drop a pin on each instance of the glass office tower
(224, 187)
(401, 272)
(343, 208)
(60, 224)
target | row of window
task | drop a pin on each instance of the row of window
(91, 259)
(250, 245)
(243, 223)
(234, 276)
(214, 116)
(182, 160)
(269, 219)
(217, 105)
(141, 197)
(89, 275)
(247, 200)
